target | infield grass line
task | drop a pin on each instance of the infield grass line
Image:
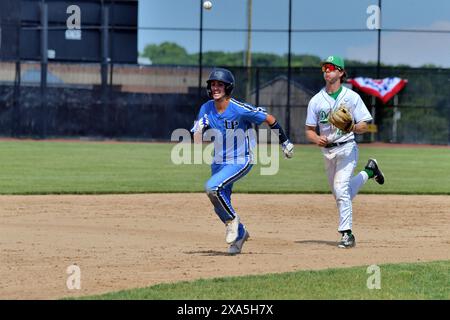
(43, 167)
(416, 281)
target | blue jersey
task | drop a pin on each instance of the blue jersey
(232, 140)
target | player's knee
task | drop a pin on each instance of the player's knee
(211, 188)
(341, 191)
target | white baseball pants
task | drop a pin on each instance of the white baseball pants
(340, 162)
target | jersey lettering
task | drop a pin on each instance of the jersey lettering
(323, 116)
(231, 124)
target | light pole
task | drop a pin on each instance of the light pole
(288, 103)
(248, 49)
(374, 101)
(379, 43)
(200, 53)
(44, 66)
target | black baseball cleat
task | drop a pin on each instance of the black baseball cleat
(372, 164)
(347, 241)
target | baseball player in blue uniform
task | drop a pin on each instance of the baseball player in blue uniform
(229, 120)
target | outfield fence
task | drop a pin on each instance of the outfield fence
(149, 102)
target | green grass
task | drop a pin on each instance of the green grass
(41, 167)
(429, 280)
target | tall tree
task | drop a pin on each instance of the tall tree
(168, 53)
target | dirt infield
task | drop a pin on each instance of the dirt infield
(128, 241)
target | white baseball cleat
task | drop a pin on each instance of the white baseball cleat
(232, 230)
(237, 246)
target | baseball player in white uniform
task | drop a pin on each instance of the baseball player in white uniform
(339, 149)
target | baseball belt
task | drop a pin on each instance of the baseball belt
(336, 144)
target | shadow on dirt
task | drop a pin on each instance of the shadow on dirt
(328, 243)
(224, 253)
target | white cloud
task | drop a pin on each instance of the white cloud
(414, 49)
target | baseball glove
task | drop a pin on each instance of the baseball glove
(342, 119)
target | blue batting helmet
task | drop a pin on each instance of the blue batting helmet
(222, 75)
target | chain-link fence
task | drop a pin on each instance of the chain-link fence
(104, 98)
(149, 102)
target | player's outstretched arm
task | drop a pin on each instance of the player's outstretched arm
(286, 144)
(198, 137)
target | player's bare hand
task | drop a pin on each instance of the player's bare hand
(322, 142)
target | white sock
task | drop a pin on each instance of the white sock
(365, 176)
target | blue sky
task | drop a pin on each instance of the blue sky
(397, 47)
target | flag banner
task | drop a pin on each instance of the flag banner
(384, 89)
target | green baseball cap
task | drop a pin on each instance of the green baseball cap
(336, 60)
